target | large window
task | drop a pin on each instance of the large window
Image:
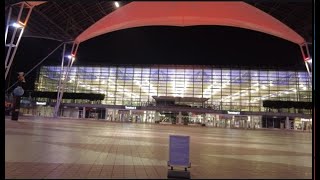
(227, 89)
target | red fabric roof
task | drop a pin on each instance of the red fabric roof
(237, 14)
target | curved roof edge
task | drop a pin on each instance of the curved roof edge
(236, 14)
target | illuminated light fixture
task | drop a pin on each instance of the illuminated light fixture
(264, 87)
(286, 92)
(304, 88)
(18, 25)
(71, 57)
(116, 4)
(309, 60)
(41, 103)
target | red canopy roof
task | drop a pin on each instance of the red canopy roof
(237, 14)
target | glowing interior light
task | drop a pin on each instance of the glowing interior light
(271, 84)
(116, 4)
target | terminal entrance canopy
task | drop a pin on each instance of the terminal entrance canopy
(236, 14)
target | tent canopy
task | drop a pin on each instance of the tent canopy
(236, 14)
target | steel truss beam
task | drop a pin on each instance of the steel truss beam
(16, 26)
(306, 57)
(69, 57)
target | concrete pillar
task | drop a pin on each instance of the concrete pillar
(232, 122)
(246, 123)
(156, 116)
(287, 123)
(144, 117)
(216, 119)
(179, 118)
(252, 122)
(226, 120)
(113, 115)
(106, 114)
(204, 119)
(117, 115)
(84, 113)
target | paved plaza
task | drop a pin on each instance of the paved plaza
(66, 148)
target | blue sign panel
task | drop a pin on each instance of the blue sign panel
(179, 150)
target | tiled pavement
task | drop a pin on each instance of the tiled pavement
(62, 148)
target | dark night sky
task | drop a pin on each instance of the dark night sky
(210, 45)
(202, 45)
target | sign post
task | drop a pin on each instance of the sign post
(179, 149)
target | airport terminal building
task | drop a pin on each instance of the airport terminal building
(181, 94)
(227, 97)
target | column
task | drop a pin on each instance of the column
(106, 114)
(144, 117)
(215, 120)
(252, 122)
(232, 122)
(117, 115)
(287, 123)
(246, 124)
(204, 119)
(179, 118)
(113, 115)
(84, 113)
(156, 116)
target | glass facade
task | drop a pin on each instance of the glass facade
(227, 89)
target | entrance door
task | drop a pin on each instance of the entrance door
(124, 117)
(80, 113)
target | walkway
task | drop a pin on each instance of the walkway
(44, 148)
